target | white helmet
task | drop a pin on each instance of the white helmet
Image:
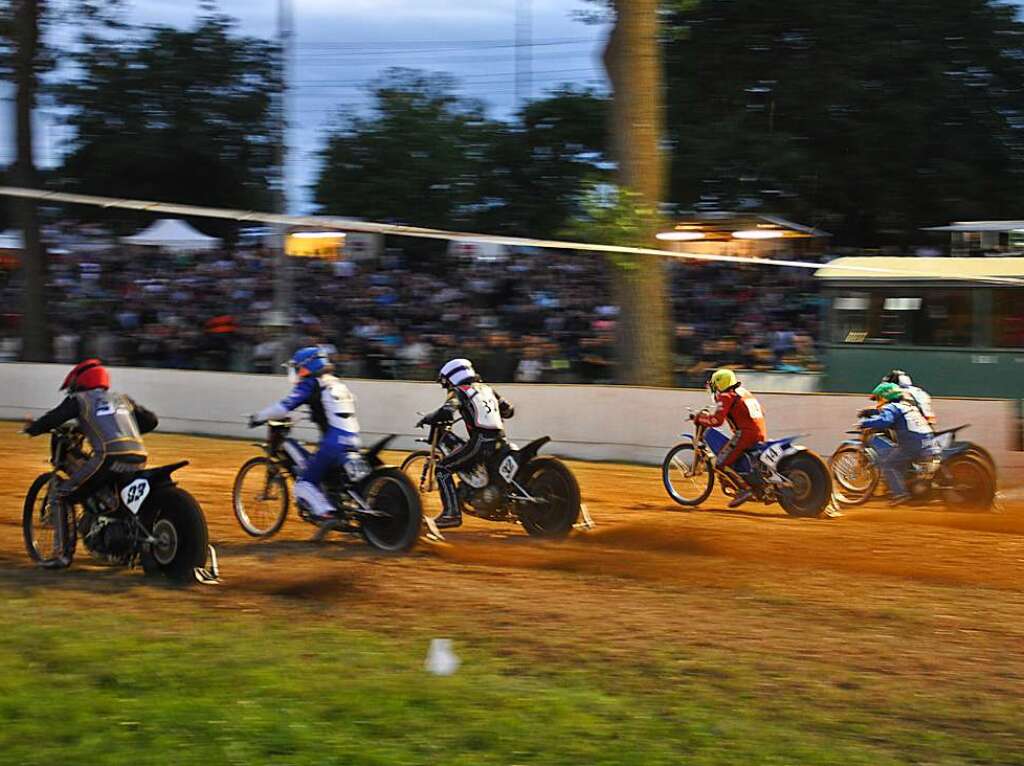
(456, 372)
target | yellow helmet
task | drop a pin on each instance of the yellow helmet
(722, 380)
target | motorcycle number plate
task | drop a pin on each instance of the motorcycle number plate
(357, 469)
(771, 456)
(508, 468)
(135, 494)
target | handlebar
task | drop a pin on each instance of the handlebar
(452, 422)
(276, 423)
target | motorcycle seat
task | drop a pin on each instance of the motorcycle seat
(159, 472)
(952, 430)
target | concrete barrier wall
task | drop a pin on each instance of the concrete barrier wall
(587, 422)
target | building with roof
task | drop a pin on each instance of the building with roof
(744, 235)
(983, 238)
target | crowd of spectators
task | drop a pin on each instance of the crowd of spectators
(535, 317)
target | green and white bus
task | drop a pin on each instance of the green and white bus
(955, 324)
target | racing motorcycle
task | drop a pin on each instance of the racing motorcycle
(137, 517)
(373, 500)
(963, 475)
(513, 485)
(792, 475)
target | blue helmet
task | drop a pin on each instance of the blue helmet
(310, 361)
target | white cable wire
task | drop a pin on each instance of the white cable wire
(331, 222)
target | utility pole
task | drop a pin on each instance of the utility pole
(524, 52)
(282, 272)
(283, 282)
(34, 329)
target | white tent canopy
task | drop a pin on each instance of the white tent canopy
(175, 235)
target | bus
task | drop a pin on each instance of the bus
(955, 324)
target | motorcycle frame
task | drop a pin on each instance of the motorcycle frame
(60, 444)
(273, 448)
(433, 440)
(705, 453)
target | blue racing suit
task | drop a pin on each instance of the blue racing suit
(914, 440)
(332, 408)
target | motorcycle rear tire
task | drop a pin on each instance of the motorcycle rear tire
(391, 490)
(176, 519)
(967, 484)
(813, 482)
(547, 478)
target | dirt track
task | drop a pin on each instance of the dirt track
(922, 599)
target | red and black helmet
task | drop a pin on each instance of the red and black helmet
(85, 376)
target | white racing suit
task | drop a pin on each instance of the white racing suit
(482, 411)
(332, 408)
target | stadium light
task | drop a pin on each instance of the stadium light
(679, 236)
(318, 235)
(759, 234)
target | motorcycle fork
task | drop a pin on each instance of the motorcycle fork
(280, 468)
(56, 510)
(427, 477)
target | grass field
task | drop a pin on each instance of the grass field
(660, 638)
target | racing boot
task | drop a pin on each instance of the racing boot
(449, 519)
(309, 496)
(743, 490)
(451, 516)
(741, 498)
(753, 482)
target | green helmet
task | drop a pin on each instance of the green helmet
(888, 391)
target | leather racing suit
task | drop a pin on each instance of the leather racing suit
(914, 441)
(482, 410)
(113, 425)
(333, 410)
(745, 417)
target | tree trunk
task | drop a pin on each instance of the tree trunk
(633, 61)
(34, 331)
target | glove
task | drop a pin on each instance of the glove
(505, 409)
(442, 415)
(867, 412)
(255, 422)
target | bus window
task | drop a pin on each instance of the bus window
(945, 319)
(927, 318)
(931, 317)
(850, 318)
(1008, 318)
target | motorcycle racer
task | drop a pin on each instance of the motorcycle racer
(112, 423)
(745, 416)
(914, 394)
(332, 408)
(913, 437)
(482, 410)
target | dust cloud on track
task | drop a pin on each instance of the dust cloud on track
(874, 591)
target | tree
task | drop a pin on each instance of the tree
(633, 62)
(867, 119)
(540, 164)
(416, 159)
(26, 60)
(174, 115)
(427, 157)
(25, 57)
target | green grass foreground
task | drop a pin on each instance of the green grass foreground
(85, 687)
